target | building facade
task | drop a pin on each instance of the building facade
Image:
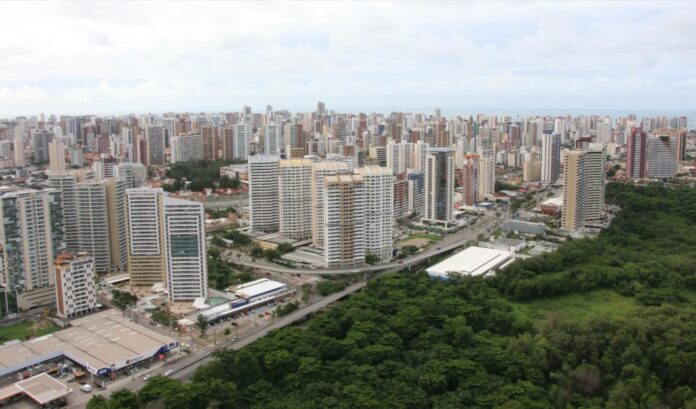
(75, 284)
(439, 186)
(344, 221)
(295, 194)
(263, 193)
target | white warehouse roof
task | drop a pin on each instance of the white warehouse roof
(473, 261)
(258, 287)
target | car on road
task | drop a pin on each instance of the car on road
(147, 377)
(86, 388)
(169, 372)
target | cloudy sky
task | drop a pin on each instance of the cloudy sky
(108, 57)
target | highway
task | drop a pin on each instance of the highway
(448, 243)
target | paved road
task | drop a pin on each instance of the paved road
(186, 366)
(448, 243)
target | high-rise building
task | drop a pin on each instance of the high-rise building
(378, 193)
(295, 194)
(93, 223)
(636, 154)
(550, 157)
(531, 171)
(66, 184)
(184, 249)
(470, 179)
(272, 139)
(319, 171)
(187, 148)
(154, 145)
(134, 174)
(439, 186)
(227, 141)
(75, 284)
(145, 258)
(263, 193)
(416, 192)
(486, 187)
(662, 157)
(344, 221)
(583, 190)
(40, 139)
(118, 223)
(31, 234)
(242, 139)
(400, 199)
(680, 142)
(210, 142)
(56, 156)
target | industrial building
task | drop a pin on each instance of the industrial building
(473, 261)
(101, 343)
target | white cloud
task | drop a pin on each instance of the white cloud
(103, 57)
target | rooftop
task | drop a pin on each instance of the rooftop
(41, 388)
(473, 261)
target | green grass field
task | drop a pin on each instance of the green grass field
(27, 329)
(426, 236)
(578, 307)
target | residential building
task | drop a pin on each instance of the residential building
(295, 194)
(416, 192)
(134, 174)
(531, 171)
(184, 249)
(56, 156)
(319, 171)
(263, 193)
(636, 154)
(145, 258)
(378, 193)
(401, 199)
(40, 140)
(75, 284)
(470, 179)
(344, 221)
(93, 223)
(439, 186)
(486, 185)
(272, 139)
(550, 158)
(242, 139)
(583, 191)
(210, 142)
(227, 141)
(661, 158)
(154, 145)
(187, 148)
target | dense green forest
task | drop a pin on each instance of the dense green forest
(407, 341)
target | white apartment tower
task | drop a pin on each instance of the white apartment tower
(184, 249)
(662, 157)
(583, 190)
(344, 221)
(272, 139)
(186, 148)
(263, 193)
(145, 261)
(319, 171)
(75, 290)
(56, 156)
(242, 138)
(93, 223)
(295, 193)
(378, 188)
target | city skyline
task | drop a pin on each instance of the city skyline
(382, 57)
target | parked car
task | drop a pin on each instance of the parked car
(87, 388)
(147, 377)
(169, 372)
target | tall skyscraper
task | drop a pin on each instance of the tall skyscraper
(470, 179)
(242, 138)
(416, 192)
(93, 223)
(319, 171)
(19, 158)
(211, 142)
(227, 141)
(56, 156)
(550, 157)
(295, 196)
(344, 221)
(263, 193)
(273, 139)
(118, 223)
(32, 233)
(145, 258)
(636, 154)
(66, 184)
(486, 187)
(662, 157)
(378, 192)
(187, 148)
(133, 173)
(583, 191)
(40, 139)
(184, 249)
(439, 186)
(154, 145)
